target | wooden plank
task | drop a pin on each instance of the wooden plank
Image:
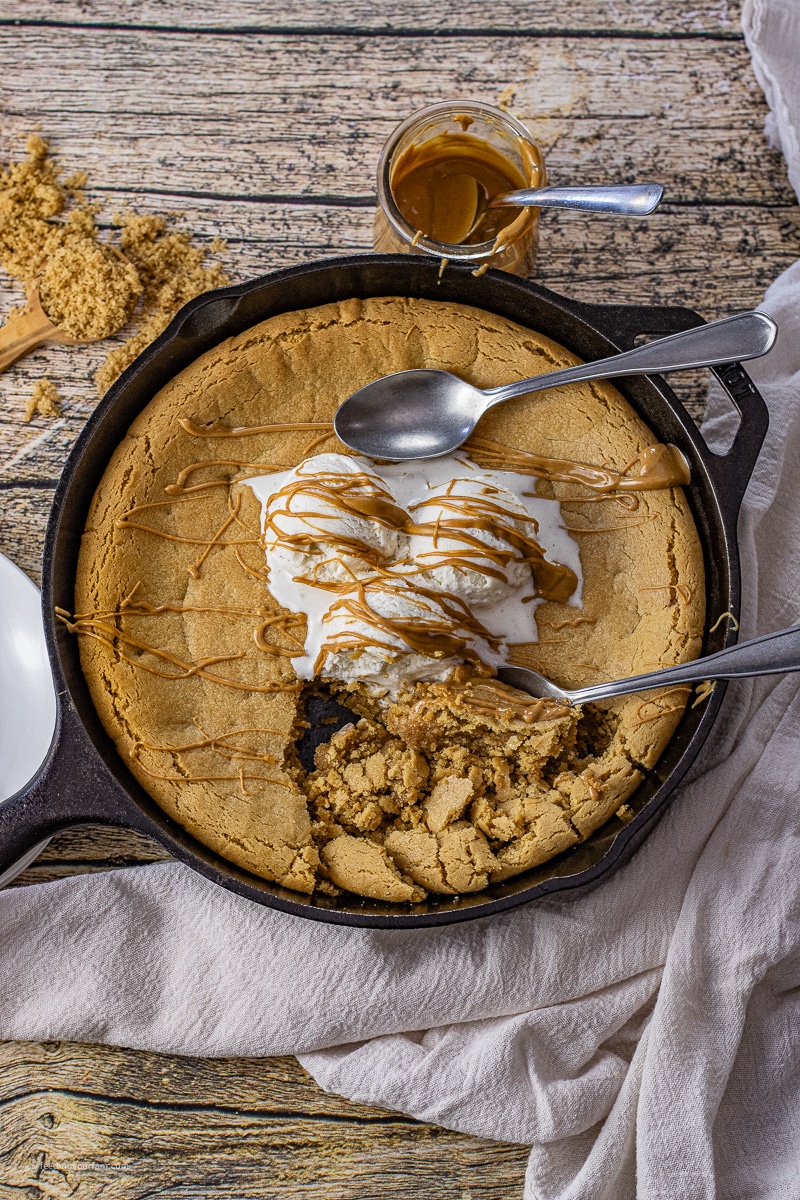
(717, 259)
(293, 116)
(678, 18)
(96, 1121)
(87, 848)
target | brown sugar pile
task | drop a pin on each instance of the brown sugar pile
(172, 272)
(45, 400)
(87, 290)
(48, 229)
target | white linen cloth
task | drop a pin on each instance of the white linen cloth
(641, 1039)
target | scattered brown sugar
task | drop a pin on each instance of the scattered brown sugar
(88, 290)
(48, 229)
(172, 272)
(45, 400)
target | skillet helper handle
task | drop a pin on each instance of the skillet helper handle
(732, 471)
(73, 787)
(22, 333)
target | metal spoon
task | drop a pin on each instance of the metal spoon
(426, 413)
(773, 654)
(638, 200)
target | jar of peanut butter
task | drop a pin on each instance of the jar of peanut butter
(436, 174)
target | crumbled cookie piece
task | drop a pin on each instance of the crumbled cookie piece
(364, 867)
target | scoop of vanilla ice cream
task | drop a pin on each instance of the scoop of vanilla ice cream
(358, 643)
(450, 556)
(312, 528)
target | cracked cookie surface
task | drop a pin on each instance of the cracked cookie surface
(175, 613)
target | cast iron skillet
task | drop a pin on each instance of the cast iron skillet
(84, 779)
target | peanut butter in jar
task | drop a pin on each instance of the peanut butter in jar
(436, 175)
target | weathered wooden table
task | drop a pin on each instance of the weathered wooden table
(262, 123)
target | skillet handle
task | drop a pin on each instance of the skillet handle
(73, 787)
(731, 471)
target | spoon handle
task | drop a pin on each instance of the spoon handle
(22, 333)
(733, 339)
(638, 200)
(773, 654)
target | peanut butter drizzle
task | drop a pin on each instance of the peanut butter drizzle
(557, 626)
(612, 528)
(490, 696)
(553, 580)
(107, 635)
(218, 429)
(660, 712)
(285, 623)
(423, 634)
(704, 691)
(217, 745)
(179, 488)
(723, 616)
(358, 495)
(683, 591)
(660, 466)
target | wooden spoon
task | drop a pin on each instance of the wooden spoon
(29, 329)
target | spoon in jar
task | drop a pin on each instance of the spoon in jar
(638, 200)
(772, 654)
(426, 413)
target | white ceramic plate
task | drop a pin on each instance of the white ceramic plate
(27, 696)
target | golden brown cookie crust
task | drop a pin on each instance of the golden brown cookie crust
(217, 756)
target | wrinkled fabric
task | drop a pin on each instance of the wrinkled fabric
(641, 1039)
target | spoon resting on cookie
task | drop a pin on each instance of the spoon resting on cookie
(425, 413)
(772, 654)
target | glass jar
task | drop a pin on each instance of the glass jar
(467, 128)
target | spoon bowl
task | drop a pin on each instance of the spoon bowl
(427, 413)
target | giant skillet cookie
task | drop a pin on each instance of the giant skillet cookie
(445, 787)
